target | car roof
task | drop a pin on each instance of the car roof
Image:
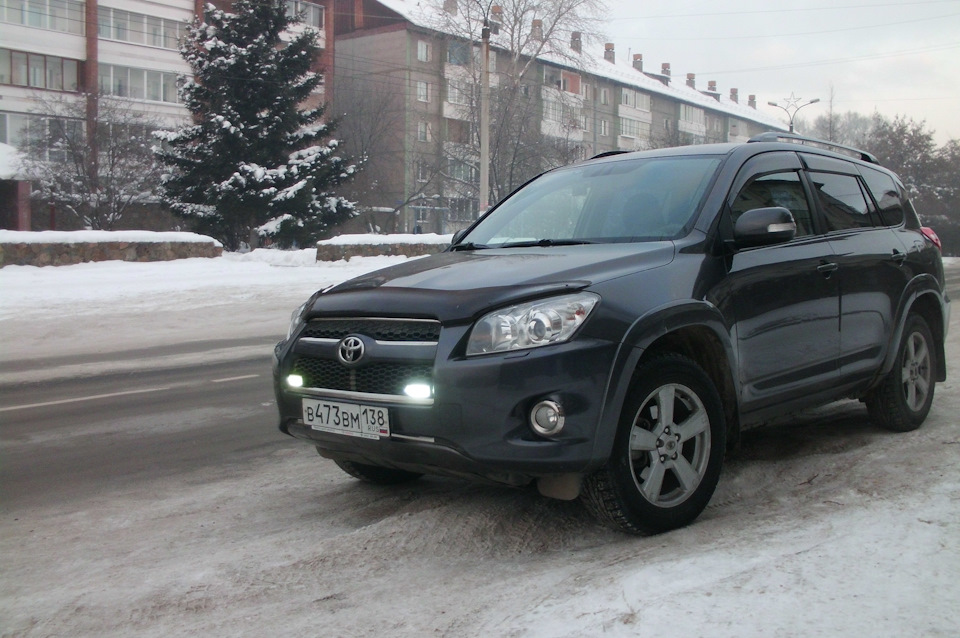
(763, 143)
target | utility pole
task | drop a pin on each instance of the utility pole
(485, 117)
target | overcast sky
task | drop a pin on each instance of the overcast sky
(877, 55)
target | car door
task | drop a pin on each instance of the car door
(783, 299)
(870, 260)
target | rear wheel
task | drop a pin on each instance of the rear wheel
(902, 400)
(668, 452)
(376, 474)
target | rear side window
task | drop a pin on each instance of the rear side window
(777, 189)
(886, 194)
(842, 200)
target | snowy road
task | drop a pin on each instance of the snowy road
(187, 513)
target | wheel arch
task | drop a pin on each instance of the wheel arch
(924, 299)
(694, 330)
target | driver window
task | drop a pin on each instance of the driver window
(776, 189)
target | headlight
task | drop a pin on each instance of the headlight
(531, 325)
(295, 318)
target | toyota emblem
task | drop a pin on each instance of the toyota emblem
(350, 350)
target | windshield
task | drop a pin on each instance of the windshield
(646, 199)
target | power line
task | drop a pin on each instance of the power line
(788, 10)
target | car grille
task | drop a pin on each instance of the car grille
(372, 377)
(379, 329)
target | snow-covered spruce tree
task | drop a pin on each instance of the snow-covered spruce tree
(254, 161)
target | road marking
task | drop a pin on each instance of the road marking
(228, 379)
(94, 397)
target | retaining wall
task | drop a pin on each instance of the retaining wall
(347, 246)
(33, 249)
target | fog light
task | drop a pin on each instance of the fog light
(294, 380)
(546, 418)
(418, 391)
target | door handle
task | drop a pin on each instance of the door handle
(898, 257)
(827, 268)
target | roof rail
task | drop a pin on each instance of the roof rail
(792, 138)
(608, 154)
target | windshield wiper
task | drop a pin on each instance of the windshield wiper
(545, 243)
(468, 246)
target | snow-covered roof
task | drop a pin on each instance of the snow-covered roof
(424, 14)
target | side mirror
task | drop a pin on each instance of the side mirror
(457, 236)
(763, 227)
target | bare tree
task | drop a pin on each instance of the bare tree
(373, 128)
(98, 190)
(521, 100)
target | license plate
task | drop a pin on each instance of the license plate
(351, 419)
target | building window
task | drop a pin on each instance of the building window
(692, 115)
(552, 111)
(20, 130)
(423, 172)
(423, 91)
(312, 14)
(138, 84)
(137, 28)
(461, 171)
(458, 53)
(634, 128)
(551, 77)
(38, 71)
(423, 51)
(457, 93)
(604, 96)
(57, 15)
(604, 127)
(462, 209)
(423, 132)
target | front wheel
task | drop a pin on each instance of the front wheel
(668, 450)
(902, 400)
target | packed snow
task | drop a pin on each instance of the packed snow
(821, 526)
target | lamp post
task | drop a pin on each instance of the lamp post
(794, 104)
(485, 117)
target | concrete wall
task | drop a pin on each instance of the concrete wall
(61, 254)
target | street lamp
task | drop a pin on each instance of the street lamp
(794, 104)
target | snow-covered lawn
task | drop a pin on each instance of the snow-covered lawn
(822, 526)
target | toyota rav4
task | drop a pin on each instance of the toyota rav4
(609, 329)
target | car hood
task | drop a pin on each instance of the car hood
(460, 286)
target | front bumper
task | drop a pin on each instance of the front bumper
(478, 422)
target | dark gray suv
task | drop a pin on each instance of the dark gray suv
(608, 330)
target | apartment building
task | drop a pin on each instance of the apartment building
(51, 49)
(587, 102)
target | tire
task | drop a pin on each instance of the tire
(665, 464)
(376, 474)
(902, 400)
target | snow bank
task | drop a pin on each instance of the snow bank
(100, 236)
